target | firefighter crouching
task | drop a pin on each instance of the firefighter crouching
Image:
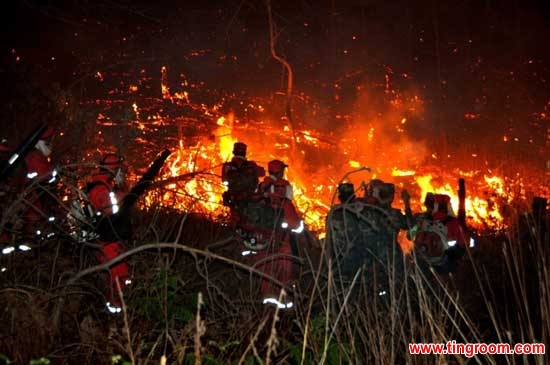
(106, 190)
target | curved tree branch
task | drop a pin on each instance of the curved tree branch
(288, 68)
(193, 251)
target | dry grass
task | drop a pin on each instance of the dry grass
(194, 300)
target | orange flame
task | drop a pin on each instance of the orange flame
(480, 211)
(364, 141)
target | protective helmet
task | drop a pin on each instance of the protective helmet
(345, 191)
(276, 167)
(442, 204)
(429, 201)
(44, 143)
(239, 149)
(387, 193)
(381, 191)
(111, 161)
(372, 188)
(4, 146)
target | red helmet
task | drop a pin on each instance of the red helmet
(442, 204)
(239, 149)
(111, 161)
(276, 167)
(47, 134)
(4, 146)
(442, 199)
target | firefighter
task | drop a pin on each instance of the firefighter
(275, 185)
(439, 238)
(38, 162)
(277, 260)
(346, 193)
(279, 194)
(343, 222)
(41, 179)
(240, 177)
(106, 190)
(34, 183)
(382, 194)
(367, 230)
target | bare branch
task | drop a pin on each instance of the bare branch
(288, 68)
(193, 251)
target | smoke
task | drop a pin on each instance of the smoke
(378, 134)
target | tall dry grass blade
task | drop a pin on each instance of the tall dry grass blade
(127, 332)
(200, 329)
(272, 341)
(316, 288)
(328, 338)
(251, 345)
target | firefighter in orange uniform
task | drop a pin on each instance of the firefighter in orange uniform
(42, 177)
(277, 260)
(36, 178)
(38, 160)
(439, 238)
(106, 190)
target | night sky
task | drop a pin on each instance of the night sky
(482, 67)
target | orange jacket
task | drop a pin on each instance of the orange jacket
(103, 194)
(279, 193)
(38, 165)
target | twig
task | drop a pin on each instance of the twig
(272, 340)
(126, 323)
(288, 68)
(251, 345)
(191, 250)
(329, 338)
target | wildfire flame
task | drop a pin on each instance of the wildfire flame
(317, 161)
(478, 210)
(313, 196)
